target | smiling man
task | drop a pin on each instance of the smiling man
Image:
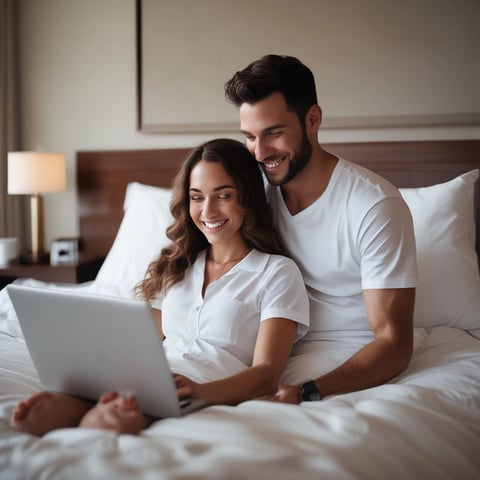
(348, 229)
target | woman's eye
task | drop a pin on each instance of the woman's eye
(224, 196)
(195, 198)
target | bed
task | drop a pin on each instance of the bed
(425, 423)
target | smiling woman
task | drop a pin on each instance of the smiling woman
(227, 304)
(216, 212)
(237, 169)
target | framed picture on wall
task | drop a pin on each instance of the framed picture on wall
(376, 63)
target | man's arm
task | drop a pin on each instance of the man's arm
(390, 316)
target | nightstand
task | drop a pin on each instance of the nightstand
(82, 271)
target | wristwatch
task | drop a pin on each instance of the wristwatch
(309, 392)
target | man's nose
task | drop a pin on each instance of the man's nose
(262, 150)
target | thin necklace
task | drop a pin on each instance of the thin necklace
(223, 264)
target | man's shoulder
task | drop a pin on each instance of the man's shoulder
(361, 179)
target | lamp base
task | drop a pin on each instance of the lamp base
(29, 257)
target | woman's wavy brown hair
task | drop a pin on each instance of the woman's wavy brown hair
(187, 240)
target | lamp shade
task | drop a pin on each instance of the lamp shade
(34, 173)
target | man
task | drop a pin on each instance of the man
(349, 230)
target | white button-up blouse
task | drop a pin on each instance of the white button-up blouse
(214, 336)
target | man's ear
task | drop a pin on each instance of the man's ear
(314, 118)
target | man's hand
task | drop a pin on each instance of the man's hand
(285, 394)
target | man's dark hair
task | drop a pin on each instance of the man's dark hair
(270, 74)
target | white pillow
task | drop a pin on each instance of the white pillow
(139, 239)
(449, 282)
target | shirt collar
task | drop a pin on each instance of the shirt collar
(254, 261)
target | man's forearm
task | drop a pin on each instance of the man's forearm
(376, 363)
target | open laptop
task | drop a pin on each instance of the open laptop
(85, 345)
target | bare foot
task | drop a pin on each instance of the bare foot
(116, 413)
(45, 411)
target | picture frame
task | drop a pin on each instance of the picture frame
(366, 73)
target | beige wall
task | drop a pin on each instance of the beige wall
(78, 90)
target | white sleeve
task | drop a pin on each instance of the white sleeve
(387, 246)
(284, 294)
(157, 302)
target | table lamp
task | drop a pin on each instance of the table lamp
(33, 173)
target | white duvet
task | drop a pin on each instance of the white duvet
(425, 424)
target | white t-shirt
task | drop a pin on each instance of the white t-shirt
(357, 235)
(212, 337)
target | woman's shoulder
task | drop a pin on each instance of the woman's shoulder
(280, 275)
(275, 261)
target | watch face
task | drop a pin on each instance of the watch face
(315, 396)
(309, 392)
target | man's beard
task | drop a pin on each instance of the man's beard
(297, 162)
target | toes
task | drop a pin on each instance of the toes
(20, 411)
(130, 404)
(108, 397)
(24, 407)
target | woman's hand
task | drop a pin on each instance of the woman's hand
(187, 388)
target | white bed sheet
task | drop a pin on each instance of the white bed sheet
(423, 424)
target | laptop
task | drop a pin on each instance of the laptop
(86, 344)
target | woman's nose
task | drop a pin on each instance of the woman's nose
(209, 207)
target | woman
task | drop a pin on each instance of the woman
(228, 305)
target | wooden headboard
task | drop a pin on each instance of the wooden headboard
(102, 176)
